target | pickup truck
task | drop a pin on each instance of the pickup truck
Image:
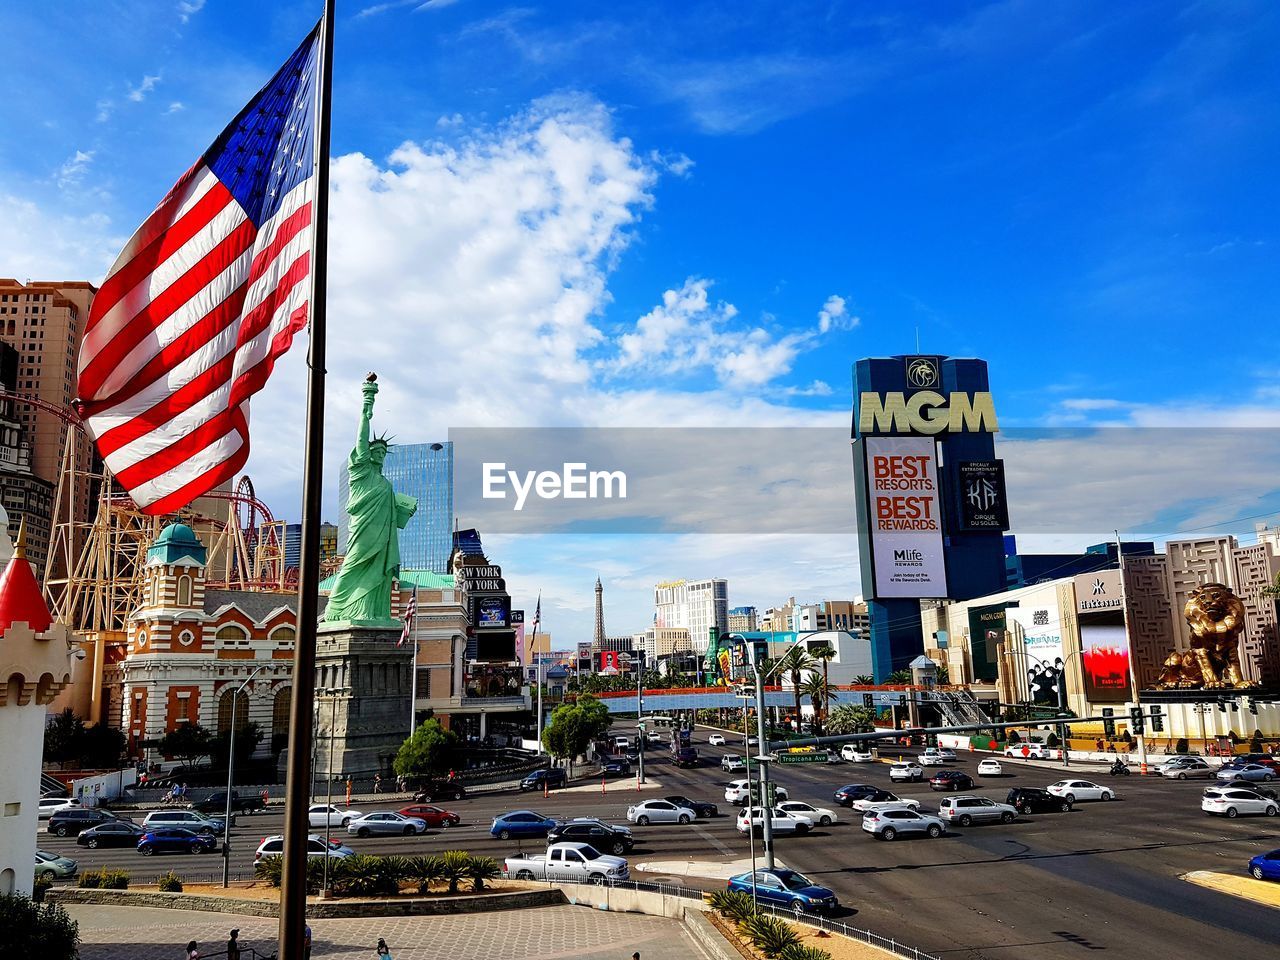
(575, 862)
(250, 803)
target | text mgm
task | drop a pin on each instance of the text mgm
(573, 482)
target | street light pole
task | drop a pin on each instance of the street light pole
(640, 730)
(332, 693)
(766, 807)
(1133, 662)
(231, 764)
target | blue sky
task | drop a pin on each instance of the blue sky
(701, 213)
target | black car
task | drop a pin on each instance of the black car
(551, 777)
(433, 790)
(69, 823)
(850, 792)
(1035, 800)
(703, 808)
(619, 765)
(114, 833)
(685, 757)
(217, 803)
(604, 837)
(951, 780)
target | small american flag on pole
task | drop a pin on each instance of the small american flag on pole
(537, 614)
(410, 612)
(204, 298)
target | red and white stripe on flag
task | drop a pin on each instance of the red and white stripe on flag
(410, 612)
(203, 299)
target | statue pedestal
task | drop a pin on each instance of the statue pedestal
(370, 713)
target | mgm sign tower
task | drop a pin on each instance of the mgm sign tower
(930, 493)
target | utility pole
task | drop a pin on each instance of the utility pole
(640, 731)
(1133, 663)
(766, 799)
(231, 765)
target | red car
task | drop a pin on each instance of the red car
(435, 816)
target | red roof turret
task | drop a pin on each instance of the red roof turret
(20, 597)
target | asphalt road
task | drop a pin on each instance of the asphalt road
(1103, 877)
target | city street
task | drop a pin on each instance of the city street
(1105, 876)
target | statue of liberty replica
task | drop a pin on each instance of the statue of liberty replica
(359, 662)
(376, 514)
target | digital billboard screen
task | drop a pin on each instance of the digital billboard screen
(905, 514)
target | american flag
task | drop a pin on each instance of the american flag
(202, 300)
(410, 612)
(537, 614)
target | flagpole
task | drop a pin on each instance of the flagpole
(413, 682)
(293, 879)
(533, 648)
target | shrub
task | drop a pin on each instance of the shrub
(770, 935)
(454, 865)
(169, 882)
(1181, 746)
(733, 905)
(30, 929)
(1052, 740)
(799, 951)
(269, 869)
(391, 870)
(1013, 737)
(105, 879)
(41, 885)
(481, 869)
(424, 871)
(358, 876)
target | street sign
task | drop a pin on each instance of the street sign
(802, 758)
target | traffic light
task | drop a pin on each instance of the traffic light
(1253, 706)
(1108, 724)
(1157, 719)
(869, 701)
(1136, 721)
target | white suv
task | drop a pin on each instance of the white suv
(738, 791)
(1229, 801)
(969, 810)
(316, 847)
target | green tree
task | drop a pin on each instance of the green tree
(63, 737)
(820, 694)
(188, 743)
(899, 676)
(850, 718)
(428, 751)
(864, 680)
(794, 663)
(247, 739)
(30, 929)
(101, 747)
(575, 725)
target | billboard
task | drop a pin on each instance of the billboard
(609, 661)
(1105, 655)
(491, 612)
(905, 516)
(982, 502)
(986, 629)
(1042, 640)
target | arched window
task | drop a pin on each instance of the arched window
(184, 591)
(232, 636)
(280, 719)
(224, 711)
(284, 637)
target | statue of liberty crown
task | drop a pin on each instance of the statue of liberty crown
(385, 440)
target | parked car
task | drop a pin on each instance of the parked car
(567, 861)
(731, 762)
(604, 837)
(547, 778)
(113, 833)
(716, 740)
(907, 771)
(187, 820)
(738, 792)
(951, 780)
(1035, 800)
(819, 815)
(316, 847)
(1228, 801)
(703, 808)
(685, 757)
(846, 795)
(1074, 790)
(1246, 771)
(521, 823)
(217, 803)
(786, 888)
(386, 822)
(1030, 751)
(752, 818)
(970, 810)
(175, 840)
(1265, 866)
(1192, 768)
(51, 805)
(888, 824)
(50, 866)
(69, 822)
(616, 766)
(883, 798)
(856, 753)
(990, 768)
(439, 789)
(434, 817)
(659, 811)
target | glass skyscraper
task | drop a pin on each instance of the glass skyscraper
(425, 471)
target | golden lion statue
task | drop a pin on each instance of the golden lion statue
(1216, 618)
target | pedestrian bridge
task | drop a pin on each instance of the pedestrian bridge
(662, 702)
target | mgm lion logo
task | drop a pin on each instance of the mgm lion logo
(922, 372)
(1216, 618)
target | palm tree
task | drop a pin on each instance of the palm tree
(454, 867)
(795, 662)
(864, 680)
(825, 654)
(818, 692)
(899, 676)
(848, 718)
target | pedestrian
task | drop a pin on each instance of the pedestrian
(383, 949)
(306, 943)
(348, 791)
(192, 952)
(377, 783)
(233, 946)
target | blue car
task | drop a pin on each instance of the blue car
(175, 840)
(1266, 866)
(788, 889)
(521, 823)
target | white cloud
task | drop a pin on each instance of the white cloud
(37, 243)
(104, 108)
(139, 93)
(835, 315)
(73, 170)
(177, 106)
(449, 122)
(189, 8)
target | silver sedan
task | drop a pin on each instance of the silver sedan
(1247, 771)
(386, 823)
(1188, 770)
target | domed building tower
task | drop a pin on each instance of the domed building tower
(36, 656)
